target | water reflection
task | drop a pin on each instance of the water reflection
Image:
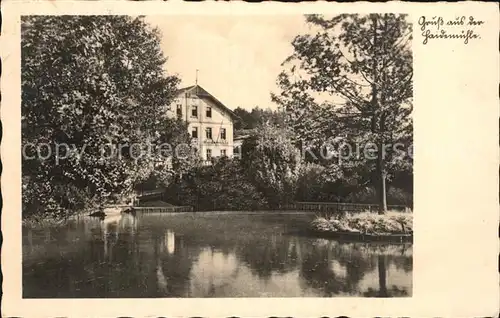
(212, 272)
(209, 255)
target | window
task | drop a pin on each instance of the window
(179, 110)
(209, 112)
(194, 111)
(223, 153)
(209, 133)
(194, 132)
(223, 133)
(209, 154)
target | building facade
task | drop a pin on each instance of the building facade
(210, 123)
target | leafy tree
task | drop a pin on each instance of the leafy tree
(87, 82)
(222, 186)
(245, 121)
(273, 163)
(350, 82)
(310, 182)
(257, 117)
(167, 164)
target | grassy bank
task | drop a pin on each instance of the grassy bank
(366, 223)
(46, 221)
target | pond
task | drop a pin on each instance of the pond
(206, 255)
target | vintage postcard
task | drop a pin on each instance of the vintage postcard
(234, 159)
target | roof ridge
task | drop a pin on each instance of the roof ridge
(205, 93)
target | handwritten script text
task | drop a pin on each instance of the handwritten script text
(462, 28)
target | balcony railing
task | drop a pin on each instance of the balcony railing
(215, 142)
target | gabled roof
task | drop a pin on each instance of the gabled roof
(185, 89)
(203, 94)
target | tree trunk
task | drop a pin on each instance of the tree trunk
(381, 184)
(375, 102)
(382, 195)
(382, 277)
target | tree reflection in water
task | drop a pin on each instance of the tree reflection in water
(394, 291)
(173, 264)
(205, 256)
(265, 258)
(358, 259)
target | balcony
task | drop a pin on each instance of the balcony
(215, 142)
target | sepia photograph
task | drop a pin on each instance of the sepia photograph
(229, 159)
(217, 156)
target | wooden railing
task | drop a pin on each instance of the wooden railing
(165, 209)
(335, 207)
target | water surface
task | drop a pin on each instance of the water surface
(206, 255)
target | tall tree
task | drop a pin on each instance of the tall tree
(88, 82)
(245, 121)
(257, 117)
(272, 163)
(351, 81)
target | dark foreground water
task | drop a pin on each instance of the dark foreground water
(206, 255)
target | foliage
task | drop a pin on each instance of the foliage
(367, 223)
(169, 163)
(257, 117)
(317, 183)
(323, 184)
(311, 182)
(221, 186)
(272, 163)
(87, 82)
(53, 200)
(351, 82)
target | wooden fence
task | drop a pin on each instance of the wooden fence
(335, 207)
(164, 209)
(327, 207)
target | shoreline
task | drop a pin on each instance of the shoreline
(51, 221)
(361, 237)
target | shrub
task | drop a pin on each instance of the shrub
(53, 200)
(367, 222)
(222, 186)
(310, 182)
(272, 163)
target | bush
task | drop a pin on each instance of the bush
(222, 186)
(272, 163)
(367, 223)
(310, 183)
(53, 200)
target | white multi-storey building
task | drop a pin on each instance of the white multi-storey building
(210, 122)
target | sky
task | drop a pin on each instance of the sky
(238, 57)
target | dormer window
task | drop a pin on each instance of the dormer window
(209, 112)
